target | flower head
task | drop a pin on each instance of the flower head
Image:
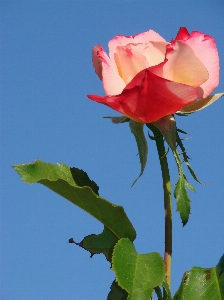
(146, 78)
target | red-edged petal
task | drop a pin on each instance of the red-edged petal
(148, 98)
(107, 71)
(182, 34)
(182, 65)
(204, 47)
(97, 62)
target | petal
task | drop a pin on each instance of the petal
(107, 71)
(97, 63)
(129, 63)
(155, 52)
(148, 36)
(182, 34)
(182, 66)
(148, 98)
(201, 104)
(204, 47)
(145, 37)
(122, 40)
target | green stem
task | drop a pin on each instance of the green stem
(167, 200)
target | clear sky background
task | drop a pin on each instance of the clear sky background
(45, 113)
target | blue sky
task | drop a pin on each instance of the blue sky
(45, 113)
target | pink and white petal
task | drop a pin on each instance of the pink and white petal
(122, 40)
(112, 82)
(97, 62)
(136, 47)
(119, 40)
(151, 99)
(148, 36)
(204, 47)
(182, 66)
(129, 63)
(201, 103)
(155, 52)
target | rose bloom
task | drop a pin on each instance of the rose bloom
(146, 78)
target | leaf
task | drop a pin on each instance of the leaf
(183, 201)
(200, 104)
(180, 191)
(202, 284)
(59, 179)
(100, 243)
(82, 179)
(117, 293)
(137, 273)
(180, 144)
(137, 130)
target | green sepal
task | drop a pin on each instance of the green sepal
(167, 126)
(138, 131)
(118, 120)
(202, 283)
(64, 181)
(137, 273)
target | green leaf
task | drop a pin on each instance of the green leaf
(137, 273)
(59, 179)
(138, 131)
(186, 158)
(183, 201)
(202, 284)
(100, 243)
(180, 191)
(82, 179)
(117, 293)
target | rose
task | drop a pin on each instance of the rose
(146, 78)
